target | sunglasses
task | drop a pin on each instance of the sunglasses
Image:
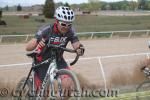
(65, 24)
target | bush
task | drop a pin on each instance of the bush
(0, 14)
(2, 22)
(24, 16)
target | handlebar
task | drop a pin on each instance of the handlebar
(33, 54)
(67, 50)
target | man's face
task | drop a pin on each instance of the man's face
(63, 27)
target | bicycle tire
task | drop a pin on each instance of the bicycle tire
(143, 88)
(74, 79)
(26, 92)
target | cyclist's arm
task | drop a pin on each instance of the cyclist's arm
(38, 40)
(76, 45)
(31, 45)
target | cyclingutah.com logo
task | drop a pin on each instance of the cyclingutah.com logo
(76, 93)
(65, 93)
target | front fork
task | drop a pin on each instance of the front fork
(54, 76)
(60, 90)
(52, 89)
(53, 72)
(32, 80)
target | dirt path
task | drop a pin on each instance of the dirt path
(113, 67)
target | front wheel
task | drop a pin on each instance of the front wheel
(64, 90)
(25, 93)
(143, 91)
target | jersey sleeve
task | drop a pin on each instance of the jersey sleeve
(42, 32)
(73, 37)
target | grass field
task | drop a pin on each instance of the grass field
(16, 25)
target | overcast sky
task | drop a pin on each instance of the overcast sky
(32, 2)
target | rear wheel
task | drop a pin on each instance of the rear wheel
(143, 91)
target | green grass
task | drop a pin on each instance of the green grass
(113, 23)
(88, 23)
(19, 25)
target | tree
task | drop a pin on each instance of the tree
(147, 5)
(66, 4)
(6, 8)
(113, 6)
(0, 14)
(49, 9)
(133, 5)
(124, 7)
(103, 5)
(142, 4)
(94, 6)
(19, 8)
(58, 4)
(84, 7)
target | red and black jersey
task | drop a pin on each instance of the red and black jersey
(51, 32)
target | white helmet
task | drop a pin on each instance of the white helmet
(63, 13)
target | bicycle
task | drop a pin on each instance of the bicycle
(143, 89)
(25, 89)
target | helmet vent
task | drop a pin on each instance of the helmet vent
(63, 8)
(65, 17)
(64, 12)
(71, 12)
(69, 17)
(59, 15)
(68, 13)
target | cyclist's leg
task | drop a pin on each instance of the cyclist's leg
(37, 82)
(40, 73)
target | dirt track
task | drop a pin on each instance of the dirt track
(118, 71)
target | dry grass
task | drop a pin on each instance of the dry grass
(7, 84)
(139, 75)
(85, 83)
(118, 79)
(145, 62)
(121, 78)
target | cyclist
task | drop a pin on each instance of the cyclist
(146, 71)
(59, 33)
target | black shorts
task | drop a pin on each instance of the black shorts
(42, 70)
